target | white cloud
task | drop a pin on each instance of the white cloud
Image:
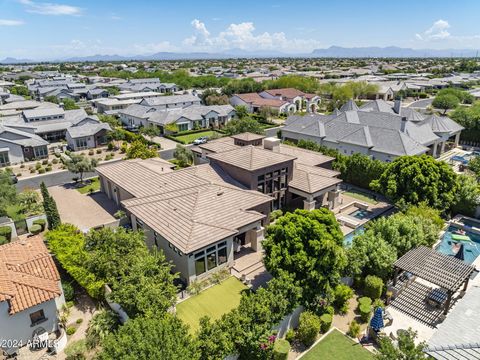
(438, 31)
(163, 46)
(243, 36)
(8, 22)
(51, 8)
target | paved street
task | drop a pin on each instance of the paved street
(52, 179)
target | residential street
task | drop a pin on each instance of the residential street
(52, 179)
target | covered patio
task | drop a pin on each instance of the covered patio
(427, 283)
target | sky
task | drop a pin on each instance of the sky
(56, 29)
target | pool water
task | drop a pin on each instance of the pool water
(360, 214)
(348, 239)
(471, 248)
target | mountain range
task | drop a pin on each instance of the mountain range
(331, 52)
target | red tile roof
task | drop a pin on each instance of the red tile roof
(257, 100)
(28, 275)
(288, 93)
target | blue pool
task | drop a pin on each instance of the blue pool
(360, 214)
(449, 247)
(347, 240)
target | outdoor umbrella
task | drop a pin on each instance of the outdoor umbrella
(460, 253)
(377, 320)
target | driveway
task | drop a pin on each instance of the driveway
(165, 144)
(52, 179)
(83, 210)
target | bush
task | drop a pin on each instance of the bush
(35, 229)
(38, 165)
(68, 291)
(422, 95)
(290, 335)
(373, 287)
(48, 168)
(6, 231)
(364, 301)
(275, 214)
(110, 146)
(342, 294)
(55, 161)
(281, 348)
(353, 329)
(79, 321)
(71, 330)
(326, 322)
(45, 162)
(41, 171)
(91, 152)
(365, 311)
(98, 151)
(308, 328)
(3, 240)
(41, 222)
(378, 303)
(19, 174)
(76, 350)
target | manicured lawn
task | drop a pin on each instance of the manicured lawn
(94, 185)
(190, 138)
(337, 346)
(214, 302)
(361, 196)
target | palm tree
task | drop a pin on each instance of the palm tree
(101, 325)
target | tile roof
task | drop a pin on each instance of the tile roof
(285, 92)
(251, 158)
(304, 156)
(248, 136)
(87, 129)
(311, 179)
(256, 100)
(28, 275)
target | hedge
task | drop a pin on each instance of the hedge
(365, 311)
(308, 328)
(326, 322)
(6, 231)
(281, 348)
(3, 240)
(373, 287)
(364, 301)
(35, 229)
(41, 222)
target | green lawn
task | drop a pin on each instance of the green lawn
(214, 302)
(361, 196)
(94, 185)
(336, 346)
(190, 138)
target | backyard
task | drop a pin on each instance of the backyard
(336, 346)
(361, 196)
(213, 302)
(190, 138)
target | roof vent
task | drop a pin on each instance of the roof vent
(220, 193)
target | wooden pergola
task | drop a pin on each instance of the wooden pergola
(445, 271)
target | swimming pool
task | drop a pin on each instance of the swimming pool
(360, 214)
(348, 239)
(449, 247)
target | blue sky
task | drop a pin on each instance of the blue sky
(55, 29)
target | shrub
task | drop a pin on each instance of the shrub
(55, 161)
(422, 95)
(373, 287)
(41, 171)
(68, 291)
(342, 294)
(281, 348)
(79, 321)
(353, 329)
(364, 301)
(124, 148)
(290, 335)
(32, 171)
(326, 322)
(76, 350)
(35, 229)
(48, 168)
(6, 231)
(38, 165)
(110, 146)
(91, 152)
(378, 303)
(71, 330)
(308, 328)
(45, 162)
(275, 214)
(22, 166)
(119, 214)
(3, 240)
(98, 151)
(365, 311)
(41, 222)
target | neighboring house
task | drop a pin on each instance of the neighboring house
(187, 118)
(90, 135)
(376, 129)
(17, 146)
(30, 292)
(254, 103)
(302, 101)
(149, 84)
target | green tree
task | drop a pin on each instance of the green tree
(416, 179)
(103, 323)
(474, 166)
(140, 150)
(467, 197)
(50, 207)
(445, 102)
(469, 118)
(361, 170)
(241, 125)
(183, 155)
(51, 98)
(80, 164)
(19, 90)
(150, 130)
(406, 349)
(146, 338)
(8, 191)
(308, 245)
(213, 341)
(110, 120)
(69, 104)
(241, 111)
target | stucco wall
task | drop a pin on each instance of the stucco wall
(15, 152)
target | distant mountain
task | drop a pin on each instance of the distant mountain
(390, 52)
(10, 60)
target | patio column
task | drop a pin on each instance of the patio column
(434, 151)
(395, 276)
(447, 304)
(309, 203)
(443, 147)
(466, 284)
(256, 237)
(457, 139)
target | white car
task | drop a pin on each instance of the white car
(200, 140)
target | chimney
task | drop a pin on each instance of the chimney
(271, 143)
(403, 124)
(397, 106)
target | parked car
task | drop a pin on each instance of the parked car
(200, 140)
(13, 178)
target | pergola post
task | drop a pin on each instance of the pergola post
(397, 270)
(466, 284)
(447, 304)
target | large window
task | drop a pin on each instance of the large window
(182, 127)
(210, 258)
(81, 143)
(37, 317)
(40, 151)
(275, 185)
(4, 159)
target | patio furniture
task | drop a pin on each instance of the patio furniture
(377, 320)
(437, 297)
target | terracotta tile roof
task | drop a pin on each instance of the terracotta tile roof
(247, 136)
(219, 145)
(304, 156)
(251, 158)
(288, 93)
(256, 100)
(312, 179)
(28, 275)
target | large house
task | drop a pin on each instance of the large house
(148, 84)
(282, 101)
(202, 216)
(376, 129)
(30, 292)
